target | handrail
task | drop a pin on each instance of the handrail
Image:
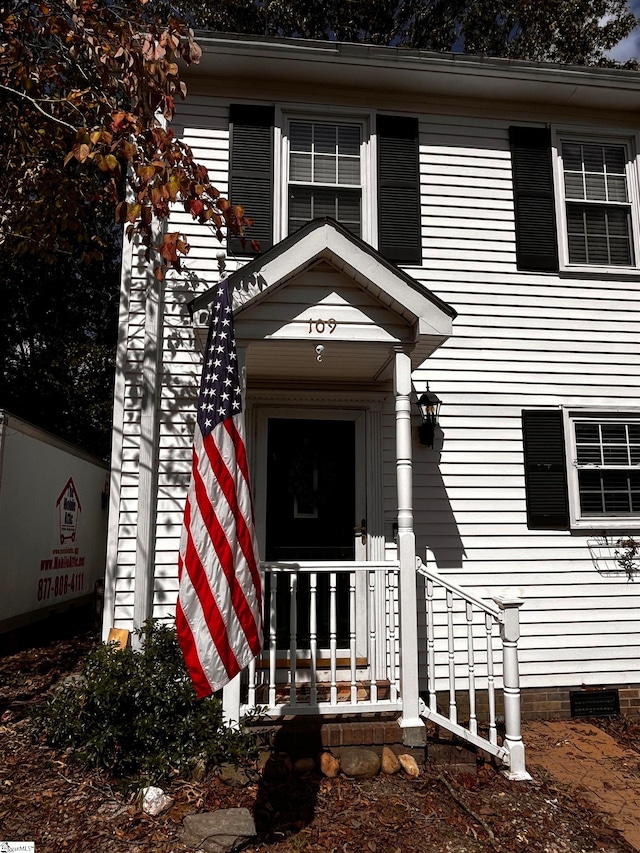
(435, 576)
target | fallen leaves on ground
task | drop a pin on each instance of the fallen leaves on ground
(46, 797)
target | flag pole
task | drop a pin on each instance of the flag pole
(231, 691)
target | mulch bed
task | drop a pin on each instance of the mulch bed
(46, 797)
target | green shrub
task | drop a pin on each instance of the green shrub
(136, 713)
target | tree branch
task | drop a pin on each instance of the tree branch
(33, 103)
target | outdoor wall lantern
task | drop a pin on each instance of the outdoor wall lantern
(429, 405)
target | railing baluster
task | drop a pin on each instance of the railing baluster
(333, 636)
(396, 604)
(372, 638)
(352, 637)
(431, 649)
(293, 636)
(491, 685)
(473, 719)
(453, 708)
(370, 585)
(251, 693)
(273, 642)
(390, 624)
(313, 636)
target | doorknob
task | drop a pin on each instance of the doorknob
(362, 530)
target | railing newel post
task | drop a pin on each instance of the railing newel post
(231, 703)
(510, 603)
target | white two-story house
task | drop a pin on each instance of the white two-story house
(444, 225)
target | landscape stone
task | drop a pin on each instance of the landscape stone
(359, 763)
(304, 765)
(277, 765)
(329, 765)
(235, 776)
(409, 765)
(155, 801)
(263, 757)
(198, 770)
(222, 831)
(390, 762)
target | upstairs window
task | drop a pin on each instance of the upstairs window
(598, 204)
(288, 168)
(575, 201)
(325, 173)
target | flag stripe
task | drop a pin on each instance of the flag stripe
(222, 622)
(190, 652)
(228, 487)
(213, 624)
(225, 557)
(233, 428)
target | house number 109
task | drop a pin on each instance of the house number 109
(321, 325)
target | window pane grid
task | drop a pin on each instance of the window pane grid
(608, 459)
(595, 172)
(598, 205)
(607, 444)
(609, 493)
(324, 154)
(325, 174)
(599, 235)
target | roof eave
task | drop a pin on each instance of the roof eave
(236, 57)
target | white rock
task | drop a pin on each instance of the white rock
(155, 801)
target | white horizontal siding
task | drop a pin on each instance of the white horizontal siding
(521, 339)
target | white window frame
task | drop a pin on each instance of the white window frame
(630, 141)
(571, 415)
(366, 121)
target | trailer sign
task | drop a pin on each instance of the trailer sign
(68, 512)
(52, 523)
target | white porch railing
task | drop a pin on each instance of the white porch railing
(465, 636)
(331, 640)
(332, 646)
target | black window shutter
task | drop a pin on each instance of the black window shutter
(545, 469)
(251, 172)
(536, 234)
(399, 233)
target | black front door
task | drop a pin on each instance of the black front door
(311, 511)
(310, 489)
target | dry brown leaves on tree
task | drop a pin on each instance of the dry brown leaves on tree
(86, 90)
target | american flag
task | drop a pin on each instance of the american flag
(219, 610)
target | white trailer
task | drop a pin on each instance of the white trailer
(53, 523)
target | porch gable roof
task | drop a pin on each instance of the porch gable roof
(325, 239)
